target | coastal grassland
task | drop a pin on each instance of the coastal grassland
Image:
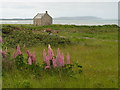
(93, 47)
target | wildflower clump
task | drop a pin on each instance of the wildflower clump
(31, 57)
(52, 63)
(18, 52)
(51, 60)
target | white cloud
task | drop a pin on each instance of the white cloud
(59, 9)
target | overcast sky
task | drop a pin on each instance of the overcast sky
(29, 8)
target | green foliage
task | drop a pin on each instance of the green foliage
(19, 61)
(28, 38)
(72, 69)
(7, 29)
(23, 84)
(21, 64)
(34, 69)
(30, 35)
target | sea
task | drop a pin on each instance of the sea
(64, 22)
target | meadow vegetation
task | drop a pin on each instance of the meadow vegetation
(95, 48)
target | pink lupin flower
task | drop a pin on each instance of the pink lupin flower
(15, 54)
(47, 58)
(47, 67)
(29, 61)
(58, 52)
(29, 57)
(68, 58)
(1, 40)
(47, 61)
(62, 60)
(3, 53)
(50, 52)
(54, 62)
(33, 58)
(18, 50)
(28, 53)
(58, 57)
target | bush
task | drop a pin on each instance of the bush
(19, 61)
(28, 38)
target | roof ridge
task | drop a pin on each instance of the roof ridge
(39, 15)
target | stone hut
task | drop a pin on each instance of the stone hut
(42, 19)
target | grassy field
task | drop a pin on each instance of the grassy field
(93, 47)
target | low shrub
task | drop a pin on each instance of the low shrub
(28, 38)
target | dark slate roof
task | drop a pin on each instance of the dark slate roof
(39, 15)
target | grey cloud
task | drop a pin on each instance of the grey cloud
(58, 9)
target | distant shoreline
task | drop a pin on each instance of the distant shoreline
(65, 18)
(61, 19)
(16, 19)
(63, 22)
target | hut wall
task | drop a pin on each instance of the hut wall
(46, 20)
(37, 21)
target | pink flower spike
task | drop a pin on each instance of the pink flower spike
(1, 40)
(62, 59)
(58, 58)
(46, 58)
(47, 61)
(47, 67)
(33, 58)
(3, 53)
(18, 50)
(50, 52)
(58, 52)
(28, 53)
(68, 58)
(29, 61)
(15, 54)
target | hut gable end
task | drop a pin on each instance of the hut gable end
(42, 19)
(39, 16)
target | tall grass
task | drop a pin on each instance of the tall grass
(98, 55)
